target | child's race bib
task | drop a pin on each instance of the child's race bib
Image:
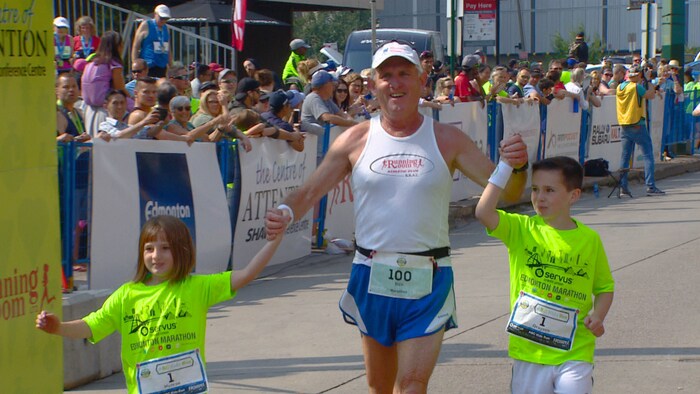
(179, 373)
(543, 322)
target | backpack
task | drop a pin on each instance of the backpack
(596, 167)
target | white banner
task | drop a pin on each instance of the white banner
(268, 173)
(523, 120)
(604, 137)
(472, 119)
(136, 179)
(563, 129)
(340, 210)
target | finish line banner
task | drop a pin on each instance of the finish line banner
(269, 172)
(134, 180)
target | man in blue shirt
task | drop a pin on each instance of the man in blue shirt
(152, 43)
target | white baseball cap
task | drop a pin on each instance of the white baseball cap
(392, 49)
(61, 22)
(163, 11)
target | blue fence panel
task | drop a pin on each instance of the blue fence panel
(324, 201)
(74, 175)
(74, 194)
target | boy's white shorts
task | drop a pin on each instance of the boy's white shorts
(572, 377)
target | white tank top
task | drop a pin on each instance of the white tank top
(402, 189)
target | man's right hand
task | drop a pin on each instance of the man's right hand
(276, 221)
(151, 118)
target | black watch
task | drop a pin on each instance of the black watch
(521, 169)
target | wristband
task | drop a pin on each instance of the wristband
(289, 211)
(501, 174)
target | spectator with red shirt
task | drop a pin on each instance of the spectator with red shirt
(466, 87)
(85, 40)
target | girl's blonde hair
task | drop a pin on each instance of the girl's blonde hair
(181, 246)
(304, 67)
(203, 106)
(441, 84)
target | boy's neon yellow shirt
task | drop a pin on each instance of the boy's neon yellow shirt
(161, 320)
(567, 267)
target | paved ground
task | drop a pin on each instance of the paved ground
(284, 334)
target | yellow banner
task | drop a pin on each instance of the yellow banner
(31, 361)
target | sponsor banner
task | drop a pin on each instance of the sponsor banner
(31, 361)
(154, 178)
(173, 198)
(656, 129)
(563, 129)
(269, 172)
(604, 137)
(472, 119)
(523, 120)
(340, 211)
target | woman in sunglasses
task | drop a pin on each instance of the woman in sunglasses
(444, 91)
(208, 127)
(341, 97)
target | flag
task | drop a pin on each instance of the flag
(238, 24)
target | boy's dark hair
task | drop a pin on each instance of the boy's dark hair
(112, 92)
(571, 170)
(165, 92)
(545, 83)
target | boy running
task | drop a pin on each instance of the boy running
(561, 287)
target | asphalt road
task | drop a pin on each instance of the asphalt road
(284, 333)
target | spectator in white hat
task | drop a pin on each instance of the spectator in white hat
(63, 44)
(152, 42)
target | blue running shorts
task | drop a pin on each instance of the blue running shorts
(388, 320)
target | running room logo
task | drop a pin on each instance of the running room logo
(165, 188)
(402, 165)
(19, 292)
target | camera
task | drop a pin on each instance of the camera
(162, 112)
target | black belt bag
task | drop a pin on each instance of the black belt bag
(436, 253)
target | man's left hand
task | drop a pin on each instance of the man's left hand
(513, 151)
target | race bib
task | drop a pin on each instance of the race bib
(543, 322)
(179, 373)
(63, 53)
(399, 275)
(159, 47)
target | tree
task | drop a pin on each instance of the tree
(596, 48)
(317, 28)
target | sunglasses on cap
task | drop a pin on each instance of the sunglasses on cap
(400, 42)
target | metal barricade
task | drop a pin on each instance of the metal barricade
(187, 47)
(75, 197)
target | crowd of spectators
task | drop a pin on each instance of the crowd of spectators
(263, 104)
